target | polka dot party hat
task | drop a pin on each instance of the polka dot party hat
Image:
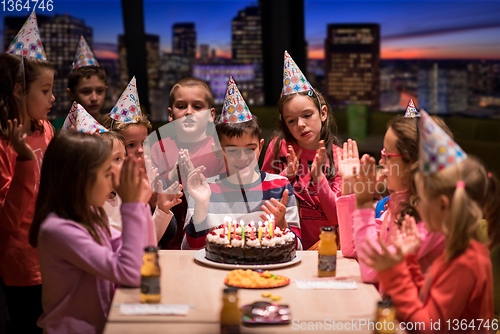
(84, 55)
(81, 120)
(293, 79)
(411, 111)
(127, 109)
(27, 42)
(437, 149)
(234, 109)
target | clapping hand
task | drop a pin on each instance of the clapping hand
(292, 163)
(319, 163)
(132, 186)
(408, 239)
(278, 209)
(197, 186)
(365, 183)
(185, 164)
(349, 165)
(171, 197)
(383, 260)
(18, 141)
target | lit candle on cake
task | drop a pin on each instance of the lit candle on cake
(252, 228)
(226, 219)
(260, 232)
(243, 235)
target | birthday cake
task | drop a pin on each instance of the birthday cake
(265, 244)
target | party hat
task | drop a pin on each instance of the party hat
(27, 42)
(84, 55)
(235, 110)
(293, 79)
(81, 120)
(437, 149)
(127, 109)
(411, 111)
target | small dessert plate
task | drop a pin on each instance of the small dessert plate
(265, 313)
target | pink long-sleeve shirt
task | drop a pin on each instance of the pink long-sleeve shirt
(78, 273)
(317, 202)
(367, 228)
(19, 181)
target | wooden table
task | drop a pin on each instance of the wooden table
(185, 281)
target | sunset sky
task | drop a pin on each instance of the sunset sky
(409, 29)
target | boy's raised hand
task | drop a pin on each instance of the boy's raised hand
(364, 186)
(383, 260)
(292, 163)
(278, 209)
(18, 141)
(348, 163)
(131, 186)
(197, 186)
(171, 197)
(318, 163)
(185, 164)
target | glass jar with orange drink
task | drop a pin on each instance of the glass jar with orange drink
(327, 252)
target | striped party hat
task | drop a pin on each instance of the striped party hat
(411, 111)
(294, 81)
(235, 110)
(27, 42)
(437, 149)
(84, 55)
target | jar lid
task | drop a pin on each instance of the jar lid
(385, 303)
(327, 228)
(151, 249)
(230, 290)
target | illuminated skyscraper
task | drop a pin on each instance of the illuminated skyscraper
(246, 40)
(184, 40)
(442, 88)
(60, 35)
(204, 53)
(352, 65)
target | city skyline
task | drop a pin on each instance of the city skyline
(409, 29)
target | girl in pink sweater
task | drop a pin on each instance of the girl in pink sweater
(81, 257)
(400, 160)
(457, 291)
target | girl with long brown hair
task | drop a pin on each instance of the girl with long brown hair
(25, 100)
(302, 150)
(81, 257)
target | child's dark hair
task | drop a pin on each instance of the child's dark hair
(231, 130)
(20, 72)
(68, 169)
(85, 72)
(192, 82)
(328, 128)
